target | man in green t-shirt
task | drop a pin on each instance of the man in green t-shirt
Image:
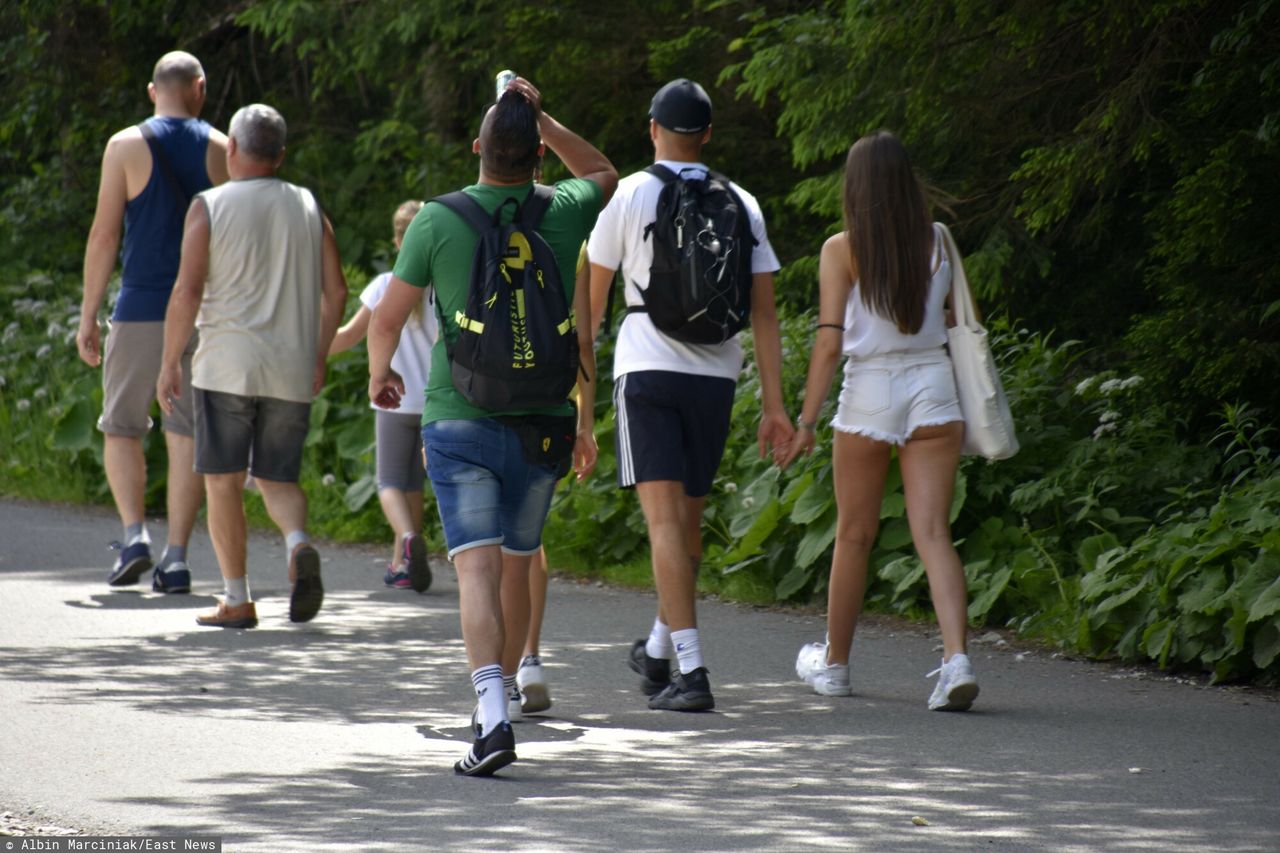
(493, 502)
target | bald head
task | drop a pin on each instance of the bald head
(176, 69)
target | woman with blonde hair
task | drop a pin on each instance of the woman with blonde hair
(885, 285)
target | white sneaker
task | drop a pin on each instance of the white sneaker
(957, 685)
(535, 696)
(514, 713)
(825, 679)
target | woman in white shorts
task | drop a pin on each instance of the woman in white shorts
(885, 285)
(400, 468)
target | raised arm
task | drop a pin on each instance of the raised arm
(580, 157)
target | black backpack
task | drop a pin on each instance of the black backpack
(700, 279)
(517, 346)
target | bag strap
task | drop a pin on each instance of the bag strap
(961, 298)
(661, 172)
(157, 156)
(467, 208)
(535, 207)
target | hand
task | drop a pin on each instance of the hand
(168, 386)
(386, 391)
(802, 443)
(317, 379)
(775, 432)
(530, 92)
(585, 453)
(88, 342)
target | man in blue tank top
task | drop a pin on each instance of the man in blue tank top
(149, 174)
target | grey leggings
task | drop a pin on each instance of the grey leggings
(399, 451)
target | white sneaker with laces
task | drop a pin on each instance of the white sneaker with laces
(957, 686)
(514, 712)
(825, 679)
(535, 696)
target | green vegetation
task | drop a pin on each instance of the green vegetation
(1110, 169)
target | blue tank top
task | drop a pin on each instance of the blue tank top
(153, 220)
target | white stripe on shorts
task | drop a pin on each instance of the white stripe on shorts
(626, 465)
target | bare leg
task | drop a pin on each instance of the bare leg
(185, 490)
(286, 503)
(859, 465)
(126, 466)
(929, 460)
(399, 513)
(537, 601)
(226, 521)
(515, 610)
(663, 502)
(480, 572)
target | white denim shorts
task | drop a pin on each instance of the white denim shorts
(889, 396)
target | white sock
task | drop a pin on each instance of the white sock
(237, 590)
(659, 643)
(294, 538)
(134, 533)
(491, 697)
(688, 649)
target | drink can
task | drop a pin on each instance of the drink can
(501, 81)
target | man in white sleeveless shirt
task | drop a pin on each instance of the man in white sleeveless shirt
(261, 279)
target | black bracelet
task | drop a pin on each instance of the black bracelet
(830, 326)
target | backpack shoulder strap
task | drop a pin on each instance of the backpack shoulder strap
(162, 162)
(466, 207)
(661, 172)
(535, 206)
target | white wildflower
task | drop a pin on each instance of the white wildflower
(23, 405)
(54, 330)
(43, 352)
(1108, 416)
(1110, 386)
(748, 502)
(1103, 429)
(731, 487)
(328, 479)
(1085, 384)
(1132, 382)
(10, 332)
(41, 393)
(3, 381)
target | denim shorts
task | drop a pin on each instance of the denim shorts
(887, 397)
(486, 492)
(263, 434)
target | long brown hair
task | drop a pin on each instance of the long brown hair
(887, 219)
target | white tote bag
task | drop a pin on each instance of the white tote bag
(988, 423)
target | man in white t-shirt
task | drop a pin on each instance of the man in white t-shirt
(674, 399)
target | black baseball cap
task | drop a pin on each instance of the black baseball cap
(682, 106)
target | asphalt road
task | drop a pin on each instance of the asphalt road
(119, 715)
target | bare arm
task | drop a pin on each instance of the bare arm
(386, 388)
(215, 159)
(184, 304)
(580, 157)
(601, 280)
(835, 280)
(333, 299)
(585, 451)
(352, 332)
(101, 250)
(775, 427)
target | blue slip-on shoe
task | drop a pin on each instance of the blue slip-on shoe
(173, 578)
(133, 561)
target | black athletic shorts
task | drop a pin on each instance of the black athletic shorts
(231, 430)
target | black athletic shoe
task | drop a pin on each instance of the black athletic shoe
(490, 753)
(688, 691)
(308, 590)
(655, 673)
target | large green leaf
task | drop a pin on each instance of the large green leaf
(1266, 604)
(359, 492)
(812, 503)
(817, 539)
(792, 582)
(1266, 644)
(74, 430)
(983, 602)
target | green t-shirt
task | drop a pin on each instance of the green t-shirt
(438, 250)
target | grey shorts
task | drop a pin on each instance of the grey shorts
(130, 368)
(231, 430)
(399, 451)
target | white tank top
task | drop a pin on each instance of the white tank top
(260, 319)
(867, 333)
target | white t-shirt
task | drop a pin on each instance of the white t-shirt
(412, 358)
(866, 333)
(618, 241)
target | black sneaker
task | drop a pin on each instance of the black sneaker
(490, 753)
(688, 691)
(655, 673)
